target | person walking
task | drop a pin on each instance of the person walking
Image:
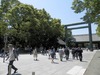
(76, 53)
(12, 56)
(61, 53)
(80, 51)
(2, 52)
(52, 54)
(66, 51)
(73, 53)
(48, 53)
(35, 54)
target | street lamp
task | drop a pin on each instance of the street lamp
(5, 46)
(0, 3)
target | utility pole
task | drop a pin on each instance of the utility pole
(5, 46)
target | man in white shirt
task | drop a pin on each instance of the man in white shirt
(61, 53)
(12, 56)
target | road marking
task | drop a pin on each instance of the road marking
(81, 72)
(76, 70)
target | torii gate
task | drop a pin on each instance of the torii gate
(81, 27)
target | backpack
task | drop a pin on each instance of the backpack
(52, 52)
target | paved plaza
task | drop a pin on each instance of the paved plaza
(26, 65)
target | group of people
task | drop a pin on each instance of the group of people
(62, 52)
(65, 52)
(77, 53)
(51, 52)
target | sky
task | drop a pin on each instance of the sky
(61, 9)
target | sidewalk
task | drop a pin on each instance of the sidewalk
(94, 66)
(26, 65)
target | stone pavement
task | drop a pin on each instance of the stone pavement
(94, 66)
(26, 65)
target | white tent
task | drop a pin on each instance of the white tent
(61, 42)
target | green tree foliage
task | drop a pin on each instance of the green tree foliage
(5, 5)
(29, 25)
(20, 18)
(92, 9)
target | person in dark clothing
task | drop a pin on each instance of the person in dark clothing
(80, 51)
(30, 50)
(66, 51)
(2, 52)
(73, 53)
(52, 54)
(76, 53)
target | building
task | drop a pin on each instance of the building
(83, 40)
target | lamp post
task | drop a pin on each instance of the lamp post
(5, 46)
(0, 2)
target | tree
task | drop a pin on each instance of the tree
(22, 20)
(3, 30)
(91, 9)
(26, 24)
(4, 7)
(68, 37)
(49, 29)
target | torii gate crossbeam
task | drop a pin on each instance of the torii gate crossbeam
(89, 28)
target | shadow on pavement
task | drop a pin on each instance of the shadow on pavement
(98, 57)
(16, 74)
(84, 61)
(64, 61)
(55, 63)
(36, 60)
